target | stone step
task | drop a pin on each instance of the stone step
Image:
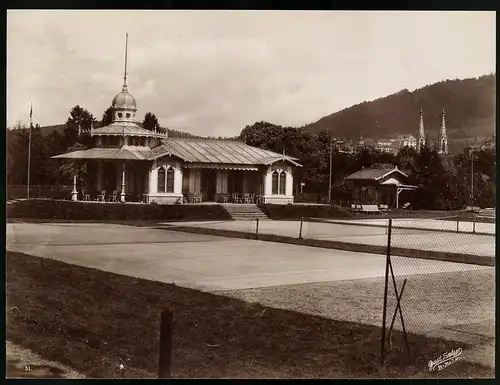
(244, 211)
(250, 219)
(249, 216)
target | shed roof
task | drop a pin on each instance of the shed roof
(374, 174)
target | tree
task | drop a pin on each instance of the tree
(405, 159)
(435, 187)
(68, 169)
(17, 154)
(150, 122)
(107, 117)
(79, 119)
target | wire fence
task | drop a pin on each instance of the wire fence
(439, 277)
(440, 298)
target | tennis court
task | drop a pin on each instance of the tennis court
(412, 234)
(199, 261)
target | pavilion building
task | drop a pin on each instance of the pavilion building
(132, 163)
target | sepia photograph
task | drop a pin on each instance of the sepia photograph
(250, 194)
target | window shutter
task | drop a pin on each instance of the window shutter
(283, 183)
(170, 180)
(275, 183)
(161, 180)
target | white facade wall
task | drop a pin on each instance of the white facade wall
(269, 197)
(166, 197)
(193, 182)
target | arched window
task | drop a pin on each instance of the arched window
(275, 183)
(282, 183)
(161, 180)
(170, 180)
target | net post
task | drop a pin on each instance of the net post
(257, 229)
(458, 222)
(384, 314)
(300, 230)
(473, 223)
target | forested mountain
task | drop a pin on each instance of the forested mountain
(469, 105)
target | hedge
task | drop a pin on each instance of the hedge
(56, 209)
(296, 211)
(36, 191)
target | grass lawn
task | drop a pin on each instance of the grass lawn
(93, 321)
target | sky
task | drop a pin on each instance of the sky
(211, 73)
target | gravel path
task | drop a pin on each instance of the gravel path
(455, 305)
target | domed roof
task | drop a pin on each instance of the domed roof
(124, 100)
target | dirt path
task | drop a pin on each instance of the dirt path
(23, 363)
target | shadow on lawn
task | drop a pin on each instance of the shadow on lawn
(93, 321)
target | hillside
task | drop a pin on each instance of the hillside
(469, 105)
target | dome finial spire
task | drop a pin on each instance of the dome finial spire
(125, 75)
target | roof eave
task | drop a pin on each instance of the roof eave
(283, 159)
(154, 157)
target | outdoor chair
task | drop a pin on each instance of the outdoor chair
(112, 198)
(195, 198)
(223, 198)
(236, 198)
(258, 198)
(86, 196)
(384, 208)
(247, 198)
(101, 197)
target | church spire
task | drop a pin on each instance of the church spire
(125, 87)
(443, 136)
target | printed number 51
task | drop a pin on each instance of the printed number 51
(27, 368)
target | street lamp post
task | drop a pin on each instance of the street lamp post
(472, 177)
(330, 179)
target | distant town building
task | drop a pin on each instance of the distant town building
(487, 144)
(407, 141)
(360, 144)
(390, 146)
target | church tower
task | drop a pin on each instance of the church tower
(421, 132)
(443, 137)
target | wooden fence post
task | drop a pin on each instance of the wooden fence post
(165, 359)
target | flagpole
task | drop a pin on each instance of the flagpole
(330, 179)
(29, 151)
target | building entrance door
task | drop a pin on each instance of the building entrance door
(208, 184)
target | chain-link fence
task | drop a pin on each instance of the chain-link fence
(448, 291)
